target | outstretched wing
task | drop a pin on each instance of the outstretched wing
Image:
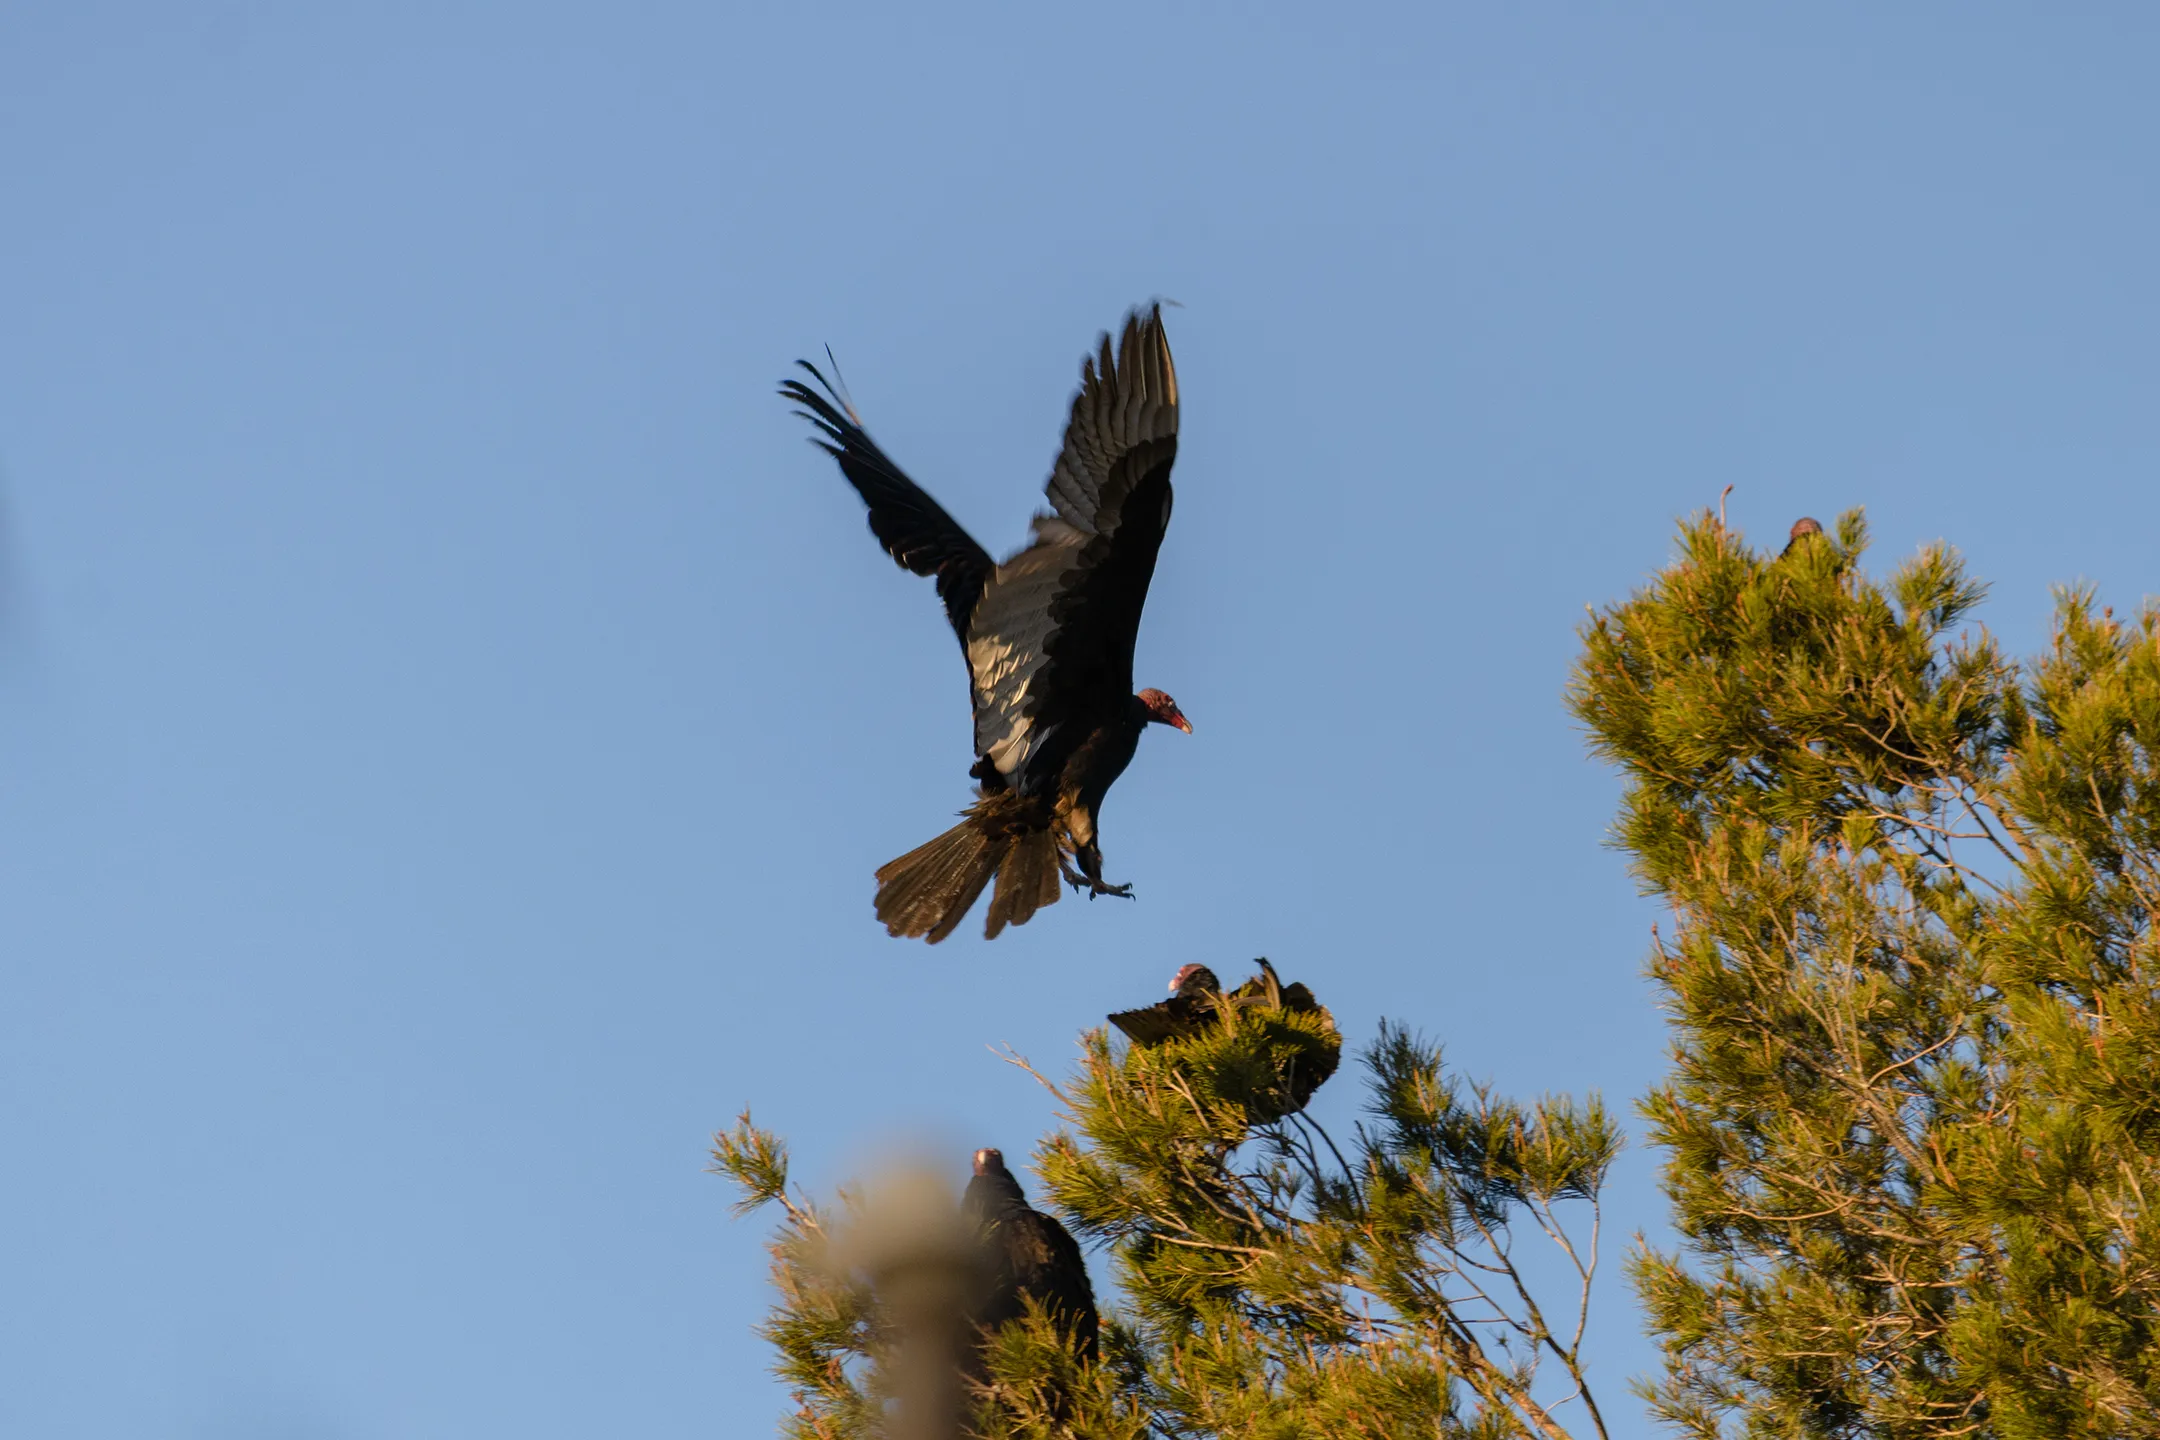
(1053, 633)
(1150, 1025)
(913, 528)
(1178, 1018)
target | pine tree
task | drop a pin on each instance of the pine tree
(1266, 1282)
(1914, 1113)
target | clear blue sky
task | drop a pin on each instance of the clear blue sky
(448, 717)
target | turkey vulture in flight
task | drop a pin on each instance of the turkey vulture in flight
(1196, 997)
(1047, 635)
(1030, 1256)
(1803, 527)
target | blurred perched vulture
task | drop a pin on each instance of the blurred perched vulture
(1047, 635)
(1196, 1001)
(1805, 526)
(1030, 1256)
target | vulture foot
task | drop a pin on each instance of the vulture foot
(1081, 880)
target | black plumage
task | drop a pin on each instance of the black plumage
(1029, 1256)
(1047, 634)
(1195, 1006)
(1194, 994)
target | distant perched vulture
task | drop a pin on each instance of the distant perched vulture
(1030, 1255)
(1806, 525)
(1048, 636)
(1195, 999)
(1194, 994)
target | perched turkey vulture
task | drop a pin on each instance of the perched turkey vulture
(1048, 636)
(1805, 526)
(1194, 993)
(1195, 1000)
(1030, 1255)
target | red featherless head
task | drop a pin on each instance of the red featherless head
(1198, 976)
(1163, 710)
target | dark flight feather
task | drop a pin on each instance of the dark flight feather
(1048, 635)
(913, 528)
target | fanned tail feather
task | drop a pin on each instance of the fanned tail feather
(1027, 880)
(929, 890)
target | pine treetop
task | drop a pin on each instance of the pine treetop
(1908, 1126)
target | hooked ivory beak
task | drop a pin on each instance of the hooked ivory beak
(1182, 723)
